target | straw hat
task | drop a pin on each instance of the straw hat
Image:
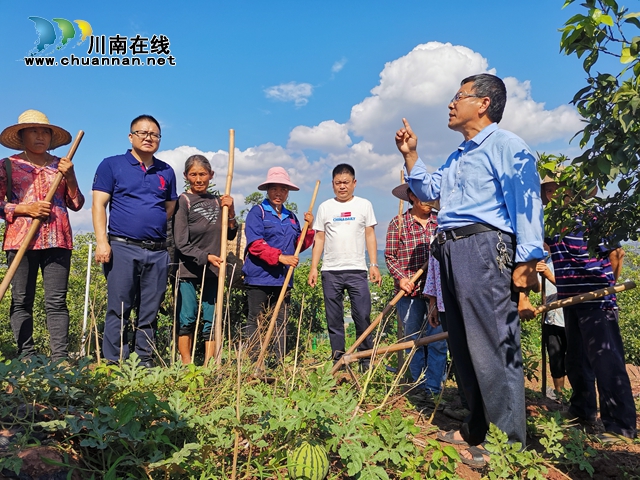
(10, 136)
(280, 176)
(402, 192)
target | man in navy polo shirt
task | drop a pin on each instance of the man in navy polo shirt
(141, 191)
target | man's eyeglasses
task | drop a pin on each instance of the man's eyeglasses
(142, 134)
(460, 95)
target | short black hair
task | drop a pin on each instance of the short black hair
(145, 117)
(343, 168)
(487, 85)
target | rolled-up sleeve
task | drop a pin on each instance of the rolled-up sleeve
(520, 184)
(425, 185)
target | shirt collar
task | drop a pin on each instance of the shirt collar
(267, 206)
(480, 137)
(134, 161)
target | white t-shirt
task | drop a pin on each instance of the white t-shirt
(343, 224)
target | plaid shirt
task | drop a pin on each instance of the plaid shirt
(408, 249)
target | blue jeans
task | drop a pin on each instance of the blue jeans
(187, 306)
(431, 359)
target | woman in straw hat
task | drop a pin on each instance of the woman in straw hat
(25, 179)
(272, 235)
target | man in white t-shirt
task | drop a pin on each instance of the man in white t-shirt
(344, 225)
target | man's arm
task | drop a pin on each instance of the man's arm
(372, 250)
(616, 258)
(318, 248)
(170, 207)
(99, 217)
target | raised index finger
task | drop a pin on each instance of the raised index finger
(407, 126)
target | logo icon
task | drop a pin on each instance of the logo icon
(47, 35)
(103, 50)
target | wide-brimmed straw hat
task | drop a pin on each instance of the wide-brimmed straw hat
(10, 136)
(280, 176)
(402, 192)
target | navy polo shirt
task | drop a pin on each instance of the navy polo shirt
(137, 209)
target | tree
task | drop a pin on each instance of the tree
(611, 136)
(250, 201)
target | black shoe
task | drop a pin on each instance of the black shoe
(147, 364)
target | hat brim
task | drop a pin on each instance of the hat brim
(401, 192)
(265, 186)
(10, 136)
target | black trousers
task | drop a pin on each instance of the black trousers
(595, 353)
(484, 334)
(262, 300)
(55, 264)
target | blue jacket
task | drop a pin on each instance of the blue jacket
(263, 223)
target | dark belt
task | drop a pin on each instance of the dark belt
(146, 244)
(464, 232)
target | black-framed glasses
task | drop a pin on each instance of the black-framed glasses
(460, 95)
(142, 134)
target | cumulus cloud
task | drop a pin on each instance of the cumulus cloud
(298, 93)
(81, 221)
(531, 121)
(419, 85)
(329, 136)
(339, 65)
(250, 167)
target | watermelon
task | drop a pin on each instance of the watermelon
(308, 461)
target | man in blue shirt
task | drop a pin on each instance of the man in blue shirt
(141, 192)
(489, 240)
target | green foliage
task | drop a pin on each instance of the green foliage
(508, 460)
(609, 104)
(564, 445)
(129, 422)
(629, 303)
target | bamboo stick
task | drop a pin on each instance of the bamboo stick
(585, 297)
(85, 312)
(379, 318)
(222, 272)
(400, 325)
(283, 291)
(35, 223)
(350, 357)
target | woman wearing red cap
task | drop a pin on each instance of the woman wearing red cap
(272, 233)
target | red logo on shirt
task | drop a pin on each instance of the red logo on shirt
(163, 182)
(345, 214)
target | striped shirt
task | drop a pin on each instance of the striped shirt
(576, 272)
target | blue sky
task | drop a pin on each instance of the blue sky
(305, 84)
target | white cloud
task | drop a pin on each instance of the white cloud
(419, 85)
(81, 221)
(298, 93)
(249, 169)
(339, 65)
(531, 121)
(328, 136)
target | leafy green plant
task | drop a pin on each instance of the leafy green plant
(509, 460)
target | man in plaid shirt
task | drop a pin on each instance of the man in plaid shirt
(406, 251)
